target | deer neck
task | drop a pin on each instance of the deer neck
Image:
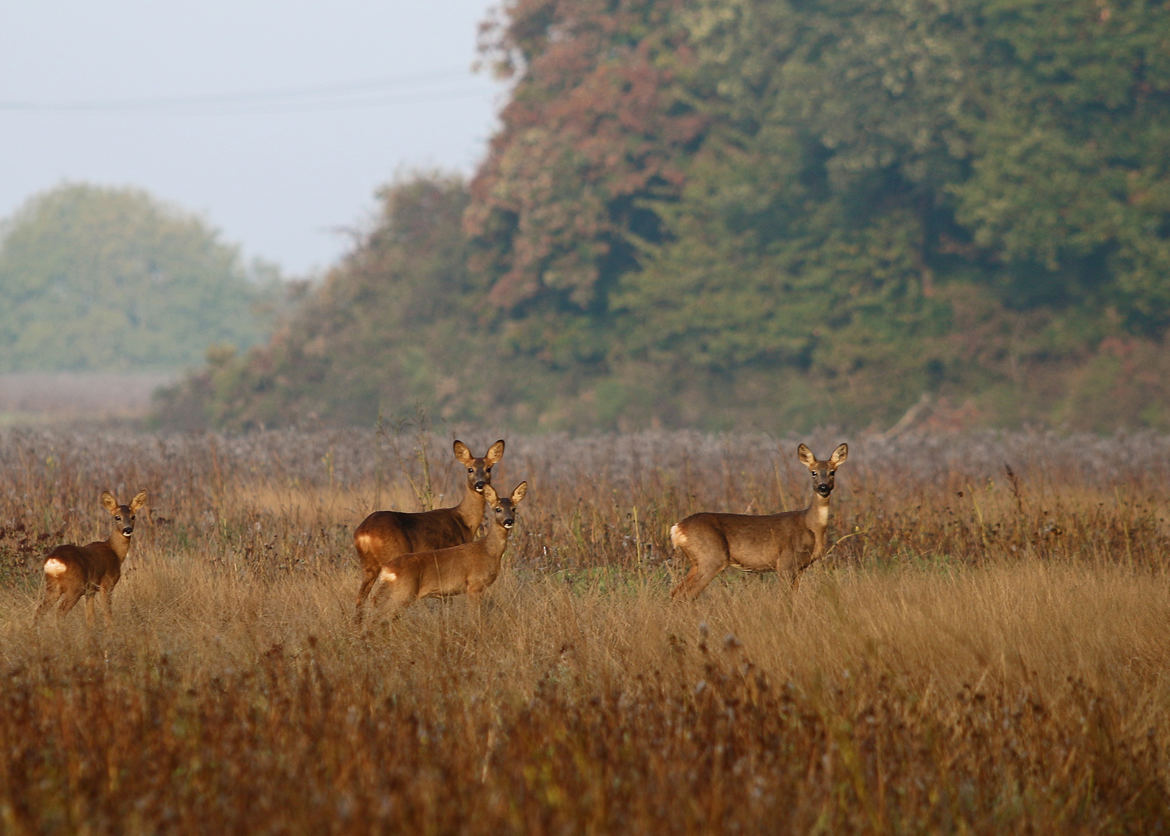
(119, 544)
(816, 516)
(470, 508)
(496, 540)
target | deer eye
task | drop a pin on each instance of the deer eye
(471, 470)
(489, 469)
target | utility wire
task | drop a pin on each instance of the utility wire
(370, 92)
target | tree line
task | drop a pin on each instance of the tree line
(775, 215)
(96, 278)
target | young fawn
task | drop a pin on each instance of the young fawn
(468, 569)
(72, 571)
(386, 534)
(787, 542)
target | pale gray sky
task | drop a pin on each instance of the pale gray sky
(274, 121)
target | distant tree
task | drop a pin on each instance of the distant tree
(397, 324)
(110, 278)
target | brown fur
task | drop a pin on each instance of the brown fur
(787, 542)
(469, 568)
(73, 571)
(386, 534)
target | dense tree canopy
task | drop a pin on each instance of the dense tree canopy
(107, 278)
(739, 212)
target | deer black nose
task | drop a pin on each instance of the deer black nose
(479, 485)
(824, 490)
(509, 522)
(127, 531)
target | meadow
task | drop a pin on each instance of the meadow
(985, 647)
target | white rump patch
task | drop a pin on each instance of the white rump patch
(55, 567)
(388, 576)
(677, 538)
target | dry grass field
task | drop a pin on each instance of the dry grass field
(986, 646)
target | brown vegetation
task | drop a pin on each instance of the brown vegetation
(982, 647)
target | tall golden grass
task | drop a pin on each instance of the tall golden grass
(984, 647)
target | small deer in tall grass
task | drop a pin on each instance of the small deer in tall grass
(787, 542)
(469, 568)
(73, 571)
(386, 534)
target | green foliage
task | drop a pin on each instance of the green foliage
(739, 213)
(102, 278)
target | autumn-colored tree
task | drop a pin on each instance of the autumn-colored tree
(773, 213)
(596, 133)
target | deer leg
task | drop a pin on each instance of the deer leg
(68, 601)
(370, 575)
(695, 581)
(107, 599)
(89, 609)
(475, 604)
(400, 597)
(52, 594)
(398, 603)
(369, 582)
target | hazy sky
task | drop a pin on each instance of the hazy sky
(274, 121)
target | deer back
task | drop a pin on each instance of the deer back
(389, 533)
(95, 564)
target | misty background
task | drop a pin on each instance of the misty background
(275, 122)
(541, 216)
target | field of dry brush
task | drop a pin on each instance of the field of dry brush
(986, 645)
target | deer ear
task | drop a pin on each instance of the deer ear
(489, 493)
(805, 455)
(462, 454)
(138, 501)
(520, 492)
(495, 452)
(839, 455)
(109, 502)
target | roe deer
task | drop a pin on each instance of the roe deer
(72, 571)
(787, 542)
(468, 568)
(386, 534)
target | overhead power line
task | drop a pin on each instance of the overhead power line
(362, 93)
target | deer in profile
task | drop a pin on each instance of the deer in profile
(73, 571)
(386, 534)
(787, 542)
(469, 568)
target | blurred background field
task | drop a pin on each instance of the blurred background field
(39, 398)
(982, 648)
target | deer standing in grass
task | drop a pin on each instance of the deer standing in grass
(387, 534)
(469, 568)
(73, 571)
(787, 542)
